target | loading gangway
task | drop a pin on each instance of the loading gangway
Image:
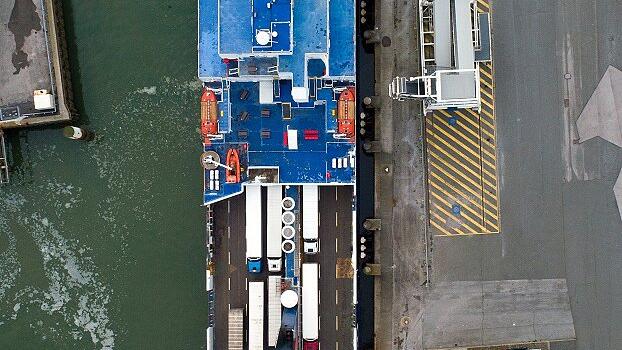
(451, 34)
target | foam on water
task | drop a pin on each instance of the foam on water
(73, 290)
(74, 303)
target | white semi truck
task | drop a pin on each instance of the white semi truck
(273, 225)
(310, 315)
(255, 316)
(310, 221)
(253, 228)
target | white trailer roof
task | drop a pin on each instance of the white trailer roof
(274, 309)
(253, 221)
(255, 316)
(273, 223)
(310, 301)
(310, 221)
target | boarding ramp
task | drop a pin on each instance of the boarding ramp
(451, 43)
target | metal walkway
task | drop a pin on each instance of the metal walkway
(4, 165)
(462, 164)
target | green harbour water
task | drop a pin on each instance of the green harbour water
(102, 243)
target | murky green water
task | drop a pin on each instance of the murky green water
(101, 243)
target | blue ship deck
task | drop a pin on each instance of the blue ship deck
(276, 46)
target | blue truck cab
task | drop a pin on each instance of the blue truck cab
(254, 265)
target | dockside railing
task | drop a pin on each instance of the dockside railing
(4, 164)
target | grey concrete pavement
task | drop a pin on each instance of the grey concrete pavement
(554, 223)
(496, 312)
(400, 197)
(23, 54)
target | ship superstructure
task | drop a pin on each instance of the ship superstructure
(279, 90)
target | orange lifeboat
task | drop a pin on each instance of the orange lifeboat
(345, 113)
(209, 115)
(233, 162)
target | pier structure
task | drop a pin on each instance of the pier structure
(35, 84)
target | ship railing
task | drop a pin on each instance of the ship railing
(4, 165)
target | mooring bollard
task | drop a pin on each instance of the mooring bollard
(75, 133)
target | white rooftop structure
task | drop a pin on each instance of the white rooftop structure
(453, 80)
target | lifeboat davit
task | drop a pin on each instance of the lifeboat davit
(346, 110)
(209, 115)
(233, 162)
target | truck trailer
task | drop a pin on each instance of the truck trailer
(310, 315)
(255, 316)
(273, 225)
(310, 218)
(253, 228)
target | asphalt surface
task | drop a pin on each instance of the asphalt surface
(231, 278)
(559, 218)
(335, 233)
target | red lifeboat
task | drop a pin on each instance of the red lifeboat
(346, 110)
(233, 162)
(209, 115)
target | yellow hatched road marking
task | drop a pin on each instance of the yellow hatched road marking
(483, 5)
(449, 215)
(440, 227)
(487, 77)
(468, 188)
(463, 204)
(458, 163)
(477, 192)
(453, 188)
(462, 136)
(452, 138)
(473, 227)
(487, 103)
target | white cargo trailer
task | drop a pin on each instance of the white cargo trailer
(274, 309)
(310, 304)
(255, 316)
(273, 225)
(253, 228)
(236, 329)
(310, 221)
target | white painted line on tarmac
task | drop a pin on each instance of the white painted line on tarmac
(246, 283)
(336, 221)
(229, 281)
(336, 192)
(228, 206)
(229, 257)
(336, 245)
(336, 322)
(336, 297)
